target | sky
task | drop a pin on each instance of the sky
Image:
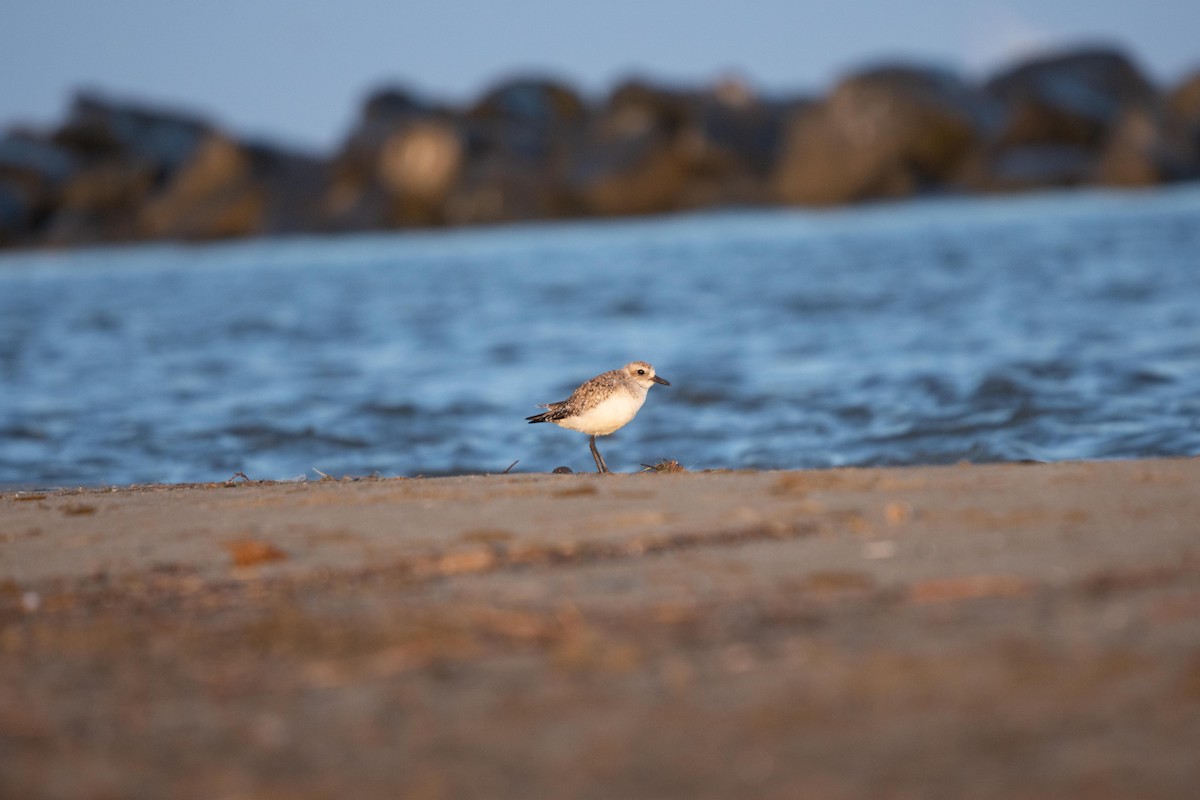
(297, 71)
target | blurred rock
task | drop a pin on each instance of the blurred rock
(1069, 99)
(14, 214)
(654, 149)
(33, 171)
(31, 159)
(1158, 144)
(101, 202)
(887, 132)
(1136, 152)
(535, 102)
(532, 147)
(1025, 168)
(1181, 108)
(521, 137)
(396, 167)
(229, 189)
(98, 128)
(497, 190)
(210, 196)
(1183, 103)
(1061, 114)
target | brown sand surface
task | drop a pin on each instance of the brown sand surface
(1006, 631)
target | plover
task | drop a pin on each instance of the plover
(603, 404)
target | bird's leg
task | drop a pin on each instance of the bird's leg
(600, 465)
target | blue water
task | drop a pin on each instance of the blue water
(1059, 326)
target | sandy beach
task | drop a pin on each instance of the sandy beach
(1017, 630)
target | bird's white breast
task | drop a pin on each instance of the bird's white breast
(606, 416)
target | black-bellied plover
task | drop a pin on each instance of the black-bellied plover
(603, 404)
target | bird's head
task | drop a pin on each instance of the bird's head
(644, 374)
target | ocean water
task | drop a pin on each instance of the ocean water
(1047, 327)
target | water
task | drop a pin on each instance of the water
(1047, 327)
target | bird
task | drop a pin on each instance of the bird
(603, 404)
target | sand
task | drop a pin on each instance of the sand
(995, 631)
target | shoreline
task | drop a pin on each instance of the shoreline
(965, 630)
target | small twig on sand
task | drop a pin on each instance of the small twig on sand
(233, 478)
(510, 466)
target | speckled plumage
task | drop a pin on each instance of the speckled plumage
(603, 404)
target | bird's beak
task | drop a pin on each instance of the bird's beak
(663, 381)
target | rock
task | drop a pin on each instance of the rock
(15, 214)
(1069, 99)
(498, 190)
(101, 203)
(653, 150)
(887, 132)
(1029, 167)
(211, 196)
(1182, 111)
(391, 105)
(1155, 144)
(396, 166)
(530, 101)
(521, 138)
(732, 118)
(231, 189)
(641, 173)
(32, 159)
(396, 173)
(1069, 119)
(531, 147)
(421, 161)
(97, 171)
(629, 160)
(1183, 102)
(97, 128)
(33, 172)
(1135, 153)
(294, 186)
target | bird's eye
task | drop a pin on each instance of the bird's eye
(641, 372)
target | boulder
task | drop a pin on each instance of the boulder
(1182, 111)
(33, 172)
(1135, 153)
(15, 214)
(732, 118)
(98, 129)
(653, 149)
(395, 173)
(32, 159)
(631, 159)
(637, 175)
(230, 188)
(390, 105)
(101, 203)
(1068, 99)
(530, 101)
(495, 190)
(421, 160)
(396, 165)
(886, 132)
(1183, 102)
(521, 137)
(213, 195)
(1150, 145)
(293, 185)
(1014, 169)
(418, 165)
